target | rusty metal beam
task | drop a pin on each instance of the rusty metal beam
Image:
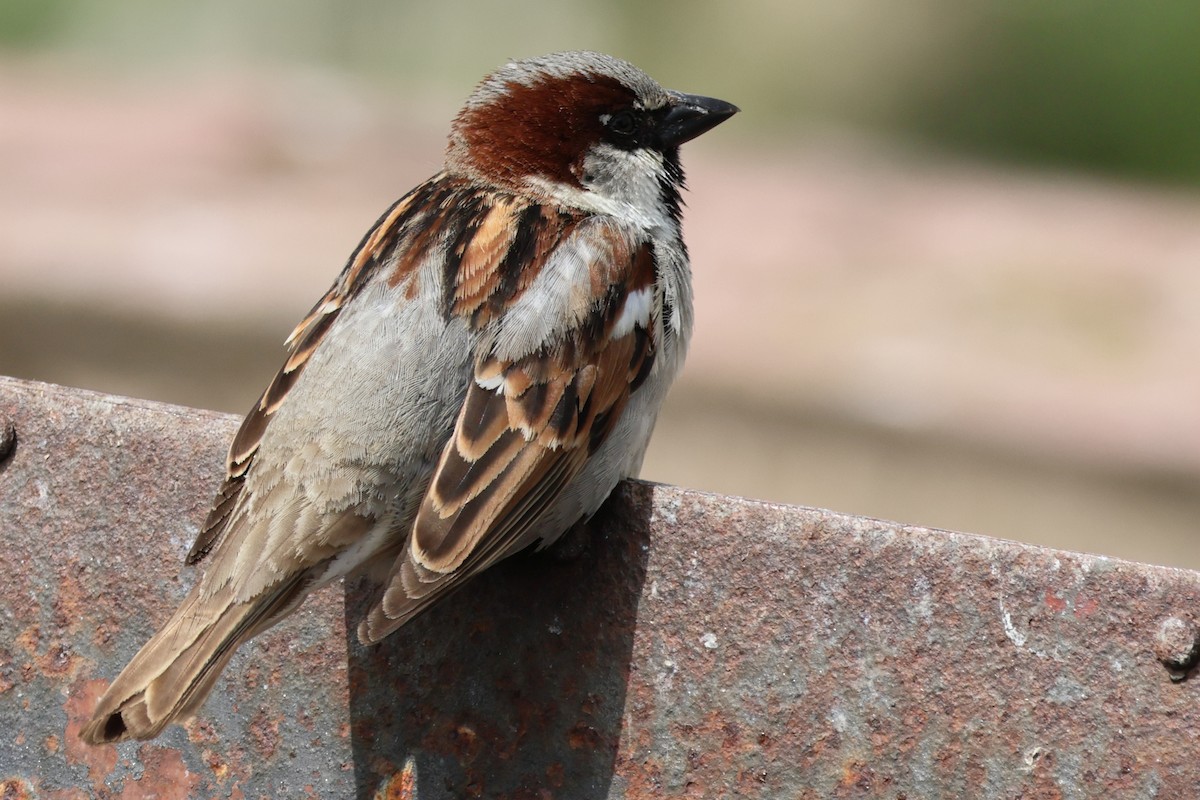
(701, 646)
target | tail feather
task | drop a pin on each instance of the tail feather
(173, 673)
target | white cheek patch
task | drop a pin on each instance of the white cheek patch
(635, 310)
(624, 184)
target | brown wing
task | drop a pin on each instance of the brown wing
(526, 428)
(397, 241)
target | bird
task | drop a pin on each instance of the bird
(486, 368)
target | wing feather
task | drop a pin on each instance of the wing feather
(395, 240)
(525, 430)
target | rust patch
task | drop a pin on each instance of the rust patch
(16, 789)
(219, 767)
(166, 777)
(29, 639)
(70, 602)
(100, 761)
(58, 662)
(583, 735)
(555, 774)
(265, 730)
(464, 742)
(1054, 602)
(1086, 606)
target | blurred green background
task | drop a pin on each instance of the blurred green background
(1110, 87)
(946, 260)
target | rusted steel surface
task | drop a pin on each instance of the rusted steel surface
(700, 646)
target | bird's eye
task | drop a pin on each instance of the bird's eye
(623, 123)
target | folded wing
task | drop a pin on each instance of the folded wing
(526, 428)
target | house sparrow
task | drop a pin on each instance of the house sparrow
(486, 368)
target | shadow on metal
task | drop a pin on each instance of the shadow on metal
(515, 686)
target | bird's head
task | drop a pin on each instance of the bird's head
(582, 128)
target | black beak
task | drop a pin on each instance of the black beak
(690, 115)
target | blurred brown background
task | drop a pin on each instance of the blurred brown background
(947, 260)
